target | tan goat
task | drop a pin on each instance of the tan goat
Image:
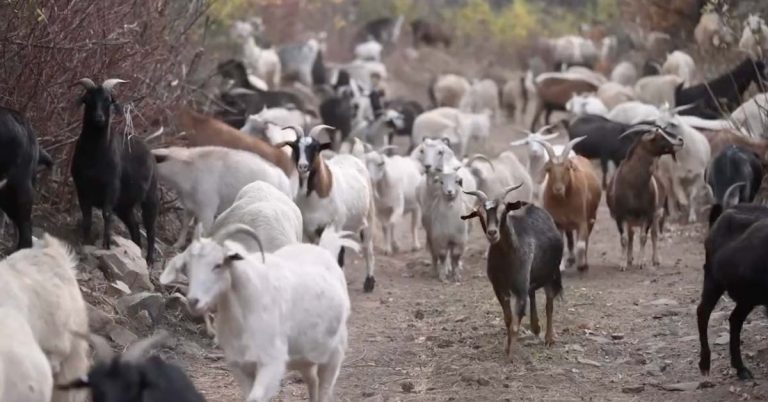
(571, 196)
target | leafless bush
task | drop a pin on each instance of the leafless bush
(47, 45)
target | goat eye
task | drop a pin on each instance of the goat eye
(440, 153)
(421, 151)
(218, 266)
(381, 163)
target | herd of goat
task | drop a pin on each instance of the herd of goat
(276, 206)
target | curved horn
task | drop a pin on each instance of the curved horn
(236, 228)
(320, 127)
(386, 148)
(110, 83)
(479, 194)
(548, 137)
(139, 350)
(547, 147)
(482, 158)
(569, 146)
(87, 83)
(677, 109)
(241, 91)
(545, 129)
(638, 127)
(298, 130)
(510, 189)
(732, 188)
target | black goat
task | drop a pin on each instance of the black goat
(20, 155)
(111, 172)
(409, 109)
(723, 94)
(524, 255)
(133, 377)
(735, 256)
(338, 111)
(383, 30)
(603, 142)
(733, 176)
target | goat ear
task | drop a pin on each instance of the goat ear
(160, 157)
(233, 256)
(81, 382)
(471, 215)
(325, 146)
(282, 144)
(648, 136)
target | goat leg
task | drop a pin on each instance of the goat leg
(710, 295)
(535, 327)
(630, 244)
(106, 214)
(415, 219)
(581, 247)
(267, 382)
(86, 209)
(186, 222)
(736, 321)
(570, 259)
(549, 337)
(655, 229)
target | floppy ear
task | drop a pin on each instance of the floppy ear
(325, 146)
(513, 206)
(233, 256)
(446, 140)
(79, 383)
(471, 215)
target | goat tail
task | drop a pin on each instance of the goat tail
(333, 240)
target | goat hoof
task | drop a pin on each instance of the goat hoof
(369, 283)
(704, 366)
(583, 268)
(744, 374)
(549, 341)
(623, 267)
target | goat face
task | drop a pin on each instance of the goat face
(375, 162)
(559, 175)
(207, 264)
(450, 185)
(306, 151)
(98, 103)
(114, 381)
(489, 214)
(659, 142)
(432, 154)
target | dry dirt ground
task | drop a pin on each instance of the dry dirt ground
(620, 335)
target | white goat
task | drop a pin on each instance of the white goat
(482, 95)
(538, 157)
(572, 49)
(369, 50)
(633, 112)
(449, 90)
(754, 38)
(496, 175)
(264, 63)
(680, 64)
(436, 155)
(446, 232)
(683, 177)
(25, 373)
(613, 94)
(657, 89)
(395, 180)
(752, 116)
(271, 121)
(459, 127)
(712, 33)
(624, 73)
(208, 179)
(334, 193)
(274, 311)
(39, 285)
(266, 210)
(581, 104)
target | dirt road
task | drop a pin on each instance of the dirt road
(620, 335)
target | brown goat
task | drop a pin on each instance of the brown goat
(720, 139)
(554, 92)
(202, 130)
(571, 196)
(636, 197)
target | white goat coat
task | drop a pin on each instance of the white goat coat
(633, 112)
(209, 178)
(624, 74)
(39, 284)
(756, 47)
(459, 127)
(657, 89)
(508, 171)
(348, 204)
(369, 51)
(613, 94)
(266, 210)
(680, 64)
(482, 95)
(25, 373)
(751, 116)
(450, 89)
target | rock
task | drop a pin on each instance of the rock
(723, 339)
(468, 378)
(663, 302)
(588, 362)
(461, 319)
(368, 394)
(633, 389)
(132, 305)
(617, 336)
(122, 336)
(574, 347)
(124, 262)
(144, 319)
(482, 381)
(117, 289)
(407, 386)
(419, 315)
(682, 386)
(98, 321)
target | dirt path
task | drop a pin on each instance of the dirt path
(620, 335)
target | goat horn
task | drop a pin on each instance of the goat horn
(570, 145)
(479, 194)
(110, 83)
(87, 83)
(141, 348)
(638, 127)
(510, 189)
(733, 187)
(677, 109)
(230, 230)
(241, 91)
(524, 141)
(547, 147)
(299, 131)
(545, 129)
(549, 136)
(386, 148)
(482, 158)
(317, 129)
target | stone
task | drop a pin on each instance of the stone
(617, 336)
(407, 386)
(682, 386)
(663, 302)
(122, 336)
(633, 389)
(98, 321)
(419, 315)
(484, 382)
(723, 339)
(132, 305)
(588, 362)
(124, 262)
